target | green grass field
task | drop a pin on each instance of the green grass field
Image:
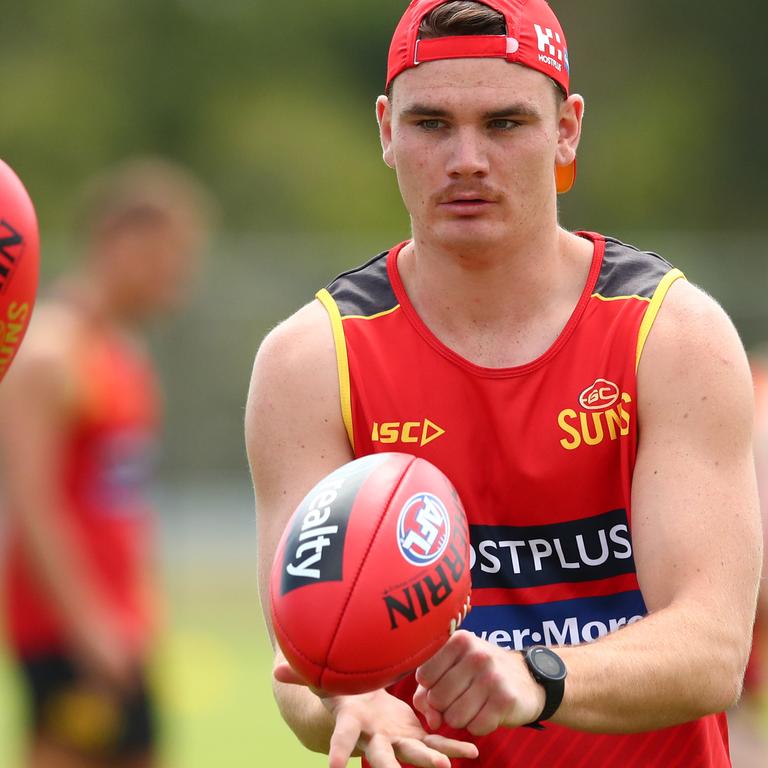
(213, 673)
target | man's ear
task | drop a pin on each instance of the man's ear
(569, 124)
(384, 118)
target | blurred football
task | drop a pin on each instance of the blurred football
(19, 263)
(371, 575)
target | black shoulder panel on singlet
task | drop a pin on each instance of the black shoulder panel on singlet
(627, 271)
(365, 290)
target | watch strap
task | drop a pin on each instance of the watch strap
(554, 688)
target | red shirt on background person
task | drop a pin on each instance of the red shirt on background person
(79, 415)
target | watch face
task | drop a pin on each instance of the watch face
(548, 663)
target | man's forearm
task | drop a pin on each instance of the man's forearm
(305, 714)
(53, 553)
(666, 669)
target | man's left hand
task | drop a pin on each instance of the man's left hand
(470, 683)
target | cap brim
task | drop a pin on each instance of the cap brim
(565, 177)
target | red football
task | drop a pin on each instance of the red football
(19, 258)
(371, 575)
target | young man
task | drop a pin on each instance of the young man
(592, 408)
(79, 414)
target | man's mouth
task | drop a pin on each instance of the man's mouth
(466, 204)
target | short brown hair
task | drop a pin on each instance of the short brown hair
(462, 17)
(143, 191)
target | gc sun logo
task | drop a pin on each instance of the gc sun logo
(423, 529)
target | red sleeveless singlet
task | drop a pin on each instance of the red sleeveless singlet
(107, 459)
(542, 456)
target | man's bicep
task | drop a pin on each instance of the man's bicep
(694, 502)
(295, 433)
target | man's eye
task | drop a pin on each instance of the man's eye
(431, 125)
(502, 124)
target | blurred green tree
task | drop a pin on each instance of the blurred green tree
(273, 105)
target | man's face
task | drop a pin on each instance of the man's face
(474, 144)
(153, 265)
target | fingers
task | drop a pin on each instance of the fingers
(421, 703)
(451, 747)
(389, 733)
(488, 719)
(415, 752)
(455, 697)
(343, 741)
(465, 708)
(285, 673)
(433, 669)
(380, 754)
(467, 684)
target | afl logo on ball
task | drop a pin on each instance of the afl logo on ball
(423, 529)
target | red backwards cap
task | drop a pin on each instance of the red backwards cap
(534, 39)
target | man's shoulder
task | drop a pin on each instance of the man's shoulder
(627, 270)
(53, 338)
(363, 291)
(46, 368)
(693, 337)
(300, 342)
(306, 337)
(690, 313)
(294, 389)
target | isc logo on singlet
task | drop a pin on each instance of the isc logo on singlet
(415, 432)
(603, 415)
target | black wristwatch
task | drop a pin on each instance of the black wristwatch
(549, 671)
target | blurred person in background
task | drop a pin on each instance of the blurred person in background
(79, 418)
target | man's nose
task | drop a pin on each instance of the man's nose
(468, 156)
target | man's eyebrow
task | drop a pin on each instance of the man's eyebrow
(424, 110)
(513, 110)
(520, 109)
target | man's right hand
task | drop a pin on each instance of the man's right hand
(104, 655)
(382, 728)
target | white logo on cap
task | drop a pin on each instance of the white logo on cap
(549, 53)
(545, 42)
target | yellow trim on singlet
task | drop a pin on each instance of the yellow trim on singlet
(619, 298)
(653, 309)
(342, 362)
(371, 317)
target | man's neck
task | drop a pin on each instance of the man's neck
(484, 303)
